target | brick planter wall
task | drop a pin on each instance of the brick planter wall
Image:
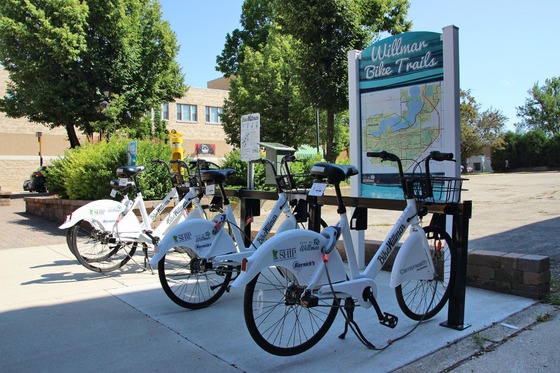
(57, 209)
(512, 273)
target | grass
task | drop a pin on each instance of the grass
(554, 296)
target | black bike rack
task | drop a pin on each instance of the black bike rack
(461, 214)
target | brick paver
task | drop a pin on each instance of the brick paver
(20, 229)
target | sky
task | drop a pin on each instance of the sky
(505, 46)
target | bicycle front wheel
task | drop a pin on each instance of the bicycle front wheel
(275, 318)
(92, 247)
(421, 299)
(190, 281)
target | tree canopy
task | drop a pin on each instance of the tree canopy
(542, 108)
(478, 129)
(62, 55)
(266, 84)
(321, 33)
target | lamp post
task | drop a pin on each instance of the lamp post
(104, 105)
(39, 139)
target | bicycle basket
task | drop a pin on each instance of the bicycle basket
(444, 189)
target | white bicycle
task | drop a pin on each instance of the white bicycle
(104, 234)
(197, 258)
(296, 282)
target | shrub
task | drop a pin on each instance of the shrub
(239, 180)
(85, 172)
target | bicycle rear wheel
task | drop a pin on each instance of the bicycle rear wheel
(275, 318)
(91, 246)
(190, 281)
(421, 299)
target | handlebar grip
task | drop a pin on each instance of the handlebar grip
(440, 157)
(382, 154)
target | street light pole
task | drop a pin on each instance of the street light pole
(39, 139)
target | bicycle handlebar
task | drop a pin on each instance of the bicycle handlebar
(284, 162)
(434, 155)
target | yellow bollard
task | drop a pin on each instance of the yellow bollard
(177, 151)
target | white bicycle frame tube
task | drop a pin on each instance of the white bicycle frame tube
(181, 235)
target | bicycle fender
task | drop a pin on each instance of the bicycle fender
(296, 249)
(413, 261)
(105, 211)
(198, 235)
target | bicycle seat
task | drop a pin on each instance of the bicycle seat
(335, 173)
(129, 171)
(216, 176)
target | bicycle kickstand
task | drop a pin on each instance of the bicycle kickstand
(349, 306)
(147, 259)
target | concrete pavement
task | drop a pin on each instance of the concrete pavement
(57, 316)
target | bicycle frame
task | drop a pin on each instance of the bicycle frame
(106, 211)
(208, 239)
(130, 230)
(306, 258)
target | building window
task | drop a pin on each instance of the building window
(165, 111)
(213, 114)
(186, 113)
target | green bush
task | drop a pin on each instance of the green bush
(85, 172)
(239, 180)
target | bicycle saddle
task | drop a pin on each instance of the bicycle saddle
(334, 172)
(216, 176)
(129, 171)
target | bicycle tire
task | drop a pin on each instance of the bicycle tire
(279, 324)
(92, 249)
(421, 299)
(189, 281)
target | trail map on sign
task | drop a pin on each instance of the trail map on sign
(406, 121)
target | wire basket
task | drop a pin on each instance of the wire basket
(443, 189)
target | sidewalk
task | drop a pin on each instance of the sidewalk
(57, 316)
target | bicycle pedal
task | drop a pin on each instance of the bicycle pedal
(389, 320)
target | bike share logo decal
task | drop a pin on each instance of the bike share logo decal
(266, 229)
(391, 244)
(415, 267)
(203, 237)
(284, 254)
(297, 265)
(174, 213)
(97, 212)
(182, 237)
(114, 209)
(310, 246)
(159, 209)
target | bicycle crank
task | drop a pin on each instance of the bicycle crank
(385, 318)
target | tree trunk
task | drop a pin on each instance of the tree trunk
(330, 155)
(72, 137)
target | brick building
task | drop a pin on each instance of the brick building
(196, 115)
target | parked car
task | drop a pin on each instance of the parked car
(37, 181)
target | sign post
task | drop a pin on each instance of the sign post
(250, 148)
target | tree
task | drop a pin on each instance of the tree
(478, 129)
(326, 30)
(256, 23)
(542, 108)
(62, 55)
(266, 84)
